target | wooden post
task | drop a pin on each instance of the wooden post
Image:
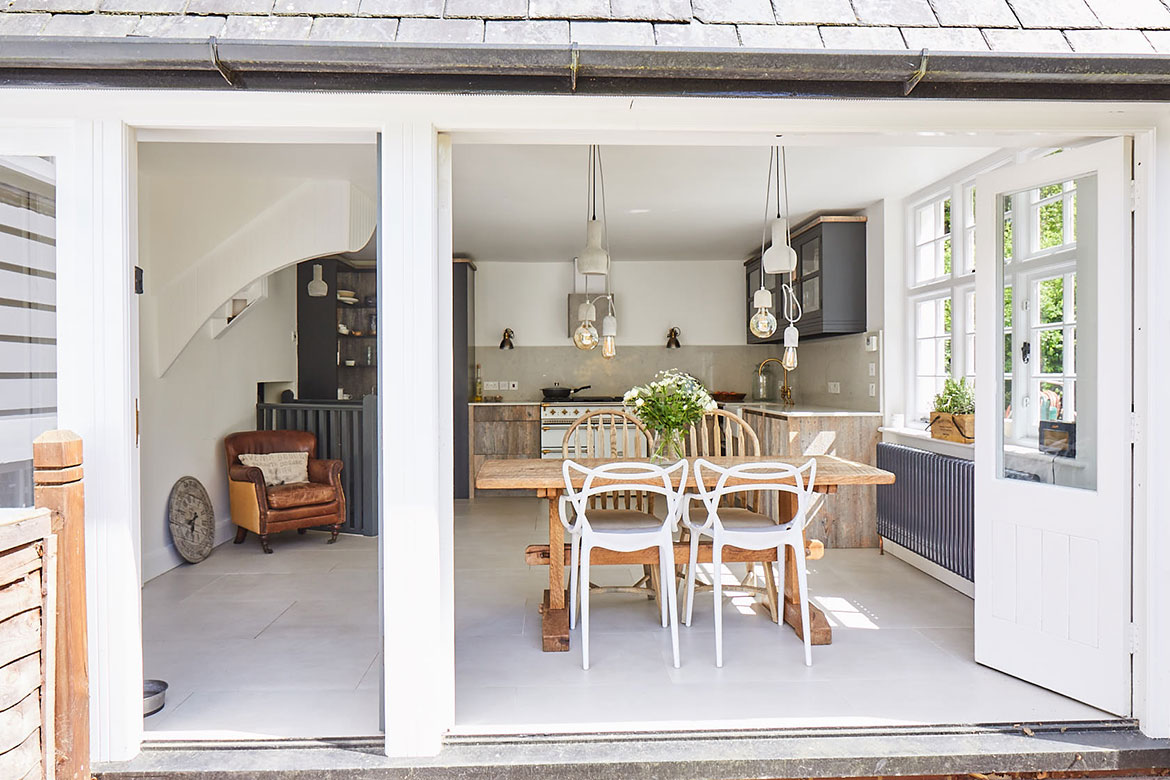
(57, 478)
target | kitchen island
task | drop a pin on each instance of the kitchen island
(846, 519)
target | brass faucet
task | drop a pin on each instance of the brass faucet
(785, 389)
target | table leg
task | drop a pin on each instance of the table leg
(822, 632)
(554, 621)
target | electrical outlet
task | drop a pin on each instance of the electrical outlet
(491, 385)
(872, 390)
(834, 387)
(873, 369)
(513, 385)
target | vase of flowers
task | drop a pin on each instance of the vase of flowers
(668, 406)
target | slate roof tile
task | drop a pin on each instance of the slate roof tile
(651, 10)
(267, 28)
(23, 24)
(1054, 14)
(771, 36)
(723, 11)
(91, 25)
(945, 38)
(364, 29)
(142, 6)
(904, 13)
(226, 7)
(55, 6)
(486, 9)
(180, 26)
(568, 9)
(974, 13)
(696, 34)
(1101, 41)
(527, 32)
(439, 30)
(612, 33)
(863, 38)
(1027, 40)
(401, 8)
(820, 12)
(1131, 13)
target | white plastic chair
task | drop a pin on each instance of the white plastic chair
(625, 530)
(748, 530)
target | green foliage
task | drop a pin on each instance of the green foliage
(672, 402)
(1051, 294)
(956, 398)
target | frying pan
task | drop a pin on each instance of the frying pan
(556, 392)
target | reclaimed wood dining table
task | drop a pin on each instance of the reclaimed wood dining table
(547, 479)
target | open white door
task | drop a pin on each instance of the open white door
(1054, 398)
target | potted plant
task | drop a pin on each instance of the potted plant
(953, 418)
(668, 406)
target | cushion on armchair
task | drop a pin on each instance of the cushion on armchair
(279, 468)
(299, 494)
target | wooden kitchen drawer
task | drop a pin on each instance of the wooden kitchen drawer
(506, 412)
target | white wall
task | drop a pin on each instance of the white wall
(209, 391)
(704, 299)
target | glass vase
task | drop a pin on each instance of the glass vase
(668, 447)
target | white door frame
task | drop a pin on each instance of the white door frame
(97, 383)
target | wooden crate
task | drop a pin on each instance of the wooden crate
(953, 427)
(27, 644)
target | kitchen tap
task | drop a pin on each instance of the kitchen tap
(785, 390)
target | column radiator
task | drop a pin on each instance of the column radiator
(347, 431)
(930, 508)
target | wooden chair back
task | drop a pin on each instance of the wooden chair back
(614, 435)
(724, 434)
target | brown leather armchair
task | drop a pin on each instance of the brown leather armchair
(265, 509)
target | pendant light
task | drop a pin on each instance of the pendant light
(594, 259)
(317, 288)
(585, 336)
(780, 257)
(609, 333)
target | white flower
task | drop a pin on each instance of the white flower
(639, 402)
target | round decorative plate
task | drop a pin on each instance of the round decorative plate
(192, 519)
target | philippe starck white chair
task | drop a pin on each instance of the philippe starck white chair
(748, 530)
(625, 530)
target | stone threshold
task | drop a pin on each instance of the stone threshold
(1024, 750)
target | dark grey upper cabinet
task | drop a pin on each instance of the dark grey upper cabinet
(829, 279)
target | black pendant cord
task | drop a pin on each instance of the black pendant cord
(776, 151)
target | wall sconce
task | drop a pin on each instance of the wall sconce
(506, 343)
(672, 339)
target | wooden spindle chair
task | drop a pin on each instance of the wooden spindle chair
(613, 434)
(724, 434)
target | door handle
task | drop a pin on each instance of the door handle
(1026, 351)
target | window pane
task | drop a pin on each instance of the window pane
(1007, 353)
(926, 319)
(1007, 399)
(1050, 190)
(28, 318)
(1051, 217)
(811, 294)
(946, 315)
(946, 206)
(945, 353)
(969, 358)
(1051, 351)
(1050, 294)
(924, 267)
(946, 263)
(1051, 400)
(1007, 306)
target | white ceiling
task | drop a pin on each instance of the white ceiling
(528, 202)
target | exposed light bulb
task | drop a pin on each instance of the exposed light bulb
(585, 336)
(791, 336)
(763, 323)
(609, 336)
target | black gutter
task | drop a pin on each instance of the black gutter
(141, 63)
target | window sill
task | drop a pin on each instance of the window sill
(921, 439)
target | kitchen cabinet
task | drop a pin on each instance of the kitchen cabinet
(463, 364)
(502, 431)
(847, 518)
(829, 280)
(323, 354)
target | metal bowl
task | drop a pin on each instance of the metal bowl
(154, 696)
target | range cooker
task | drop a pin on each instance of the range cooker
(557, 416)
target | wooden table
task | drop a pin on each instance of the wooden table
(545, 476)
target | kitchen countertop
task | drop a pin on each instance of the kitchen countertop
(504, 403)
(801, 410)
